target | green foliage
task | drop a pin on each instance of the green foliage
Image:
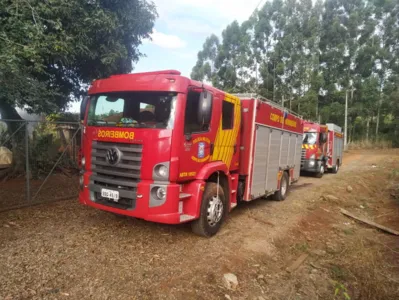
(46, 145)
(63, 117)
(50, 50)
(309, 53)
(340, 291)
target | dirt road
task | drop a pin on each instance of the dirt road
(67, 251)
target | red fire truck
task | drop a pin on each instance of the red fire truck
(322, 148)
(164, 148)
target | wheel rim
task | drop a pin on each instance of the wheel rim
(215, 211)
(321, 169)
(283, 187)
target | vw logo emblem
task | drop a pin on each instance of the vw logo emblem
(113, 156)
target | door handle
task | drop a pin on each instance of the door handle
(212, 147)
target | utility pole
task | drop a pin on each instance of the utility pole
(352, 89)
(346, 121)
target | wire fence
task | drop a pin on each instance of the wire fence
(39, 162)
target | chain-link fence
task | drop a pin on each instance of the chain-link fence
(38, 162)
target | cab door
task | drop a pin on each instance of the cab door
(199, 133)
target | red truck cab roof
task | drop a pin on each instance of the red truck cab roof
(314, 127)
(163, 81)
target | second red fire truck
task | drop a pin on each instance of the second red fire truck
(164, 148)
(322, 148)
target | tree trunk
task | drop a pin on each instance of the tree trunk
(377, 126)
(353, 133)
(367, 128)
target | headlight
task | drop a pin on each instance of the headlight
(161, 172)
(81, 182)
(161, 193)
(158, 193)
(313, 156)
(312, 163)
(83, 162)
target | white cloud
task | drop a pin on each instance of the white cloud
(204, 16)
(229, 10)
(166, 40)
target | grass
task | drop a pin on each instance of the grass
(338, 273)
(362, 271)
(366, 265)
(370, 144)
(302, 247)
(348, 231)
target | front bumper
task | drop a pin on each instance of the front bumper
(310, 165)
(180, 205)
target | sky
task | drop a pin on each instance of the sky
(181, 29)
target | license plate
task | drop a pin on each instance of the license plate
(110, 194)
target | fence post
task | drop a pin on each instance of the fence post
(27, 172)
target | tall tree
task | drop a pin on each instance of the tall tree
(51, 49)
(312, 53)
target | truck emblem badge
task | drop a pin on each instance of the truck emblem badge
(113, 156)
(201, 150)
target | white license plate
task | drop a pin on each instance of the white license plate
(110, 194)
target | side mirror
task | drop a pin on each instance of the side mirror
(205, 108)
(323, 138)
(83, 106)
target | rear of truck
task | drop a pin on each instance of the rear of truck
(270, 148)
(335, 147)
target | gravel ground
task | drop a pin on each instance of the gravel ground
(67, 251)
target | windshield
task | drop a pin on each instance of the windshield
(309, 138)
(133, 109)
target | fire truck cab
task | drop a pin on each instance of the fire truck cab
(314, 148)
(164, 148)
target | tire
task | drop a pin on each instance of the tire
(281, 194)
(213, 211)
(321, 172)
(336, 168)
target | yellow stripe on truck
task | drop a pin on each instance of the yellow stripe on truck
(226, 139)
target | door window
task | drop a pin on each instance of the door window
(227, 115)
(191, 122)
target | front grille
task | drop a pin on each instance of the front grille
(122, 177)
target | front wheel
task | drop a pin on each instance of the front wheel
(321, 171)
(336, 168)
(213, 211)
(281, 194)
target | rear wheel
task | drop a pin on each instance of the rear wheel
(281, 194)
(321, 171)
(213, 211)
